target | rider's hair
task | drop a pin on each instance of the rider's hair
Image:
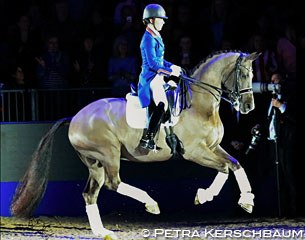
(146, 21)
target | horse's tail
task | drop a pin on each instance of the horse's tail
(33, 184)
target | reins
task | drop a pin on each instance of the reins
(203, 85)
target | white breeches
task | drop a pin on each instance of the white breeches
(158, 93)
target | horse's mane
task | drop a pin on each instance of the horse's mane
(211, 55)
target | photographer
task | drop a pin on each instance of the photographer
(274, 141)
(283, 146)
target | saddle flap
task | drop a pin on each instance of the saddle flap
(136, 116)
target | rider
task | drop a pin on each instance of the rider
(154, 68)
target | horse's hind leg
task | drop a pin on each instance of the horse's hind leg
(140, 195)
(113, 182)
(90, 194)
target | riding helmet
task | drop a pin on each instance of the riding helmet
(154, 11)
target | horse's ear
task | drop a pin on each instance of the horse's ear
(253, 56)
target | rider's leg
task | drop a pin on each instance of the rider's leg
(158, 92)
(155, 120)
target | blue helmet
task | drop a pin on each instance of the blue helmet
(154, 11)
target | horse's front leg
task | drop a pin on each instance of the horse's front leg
(246, 197)
(205, 157)
(220, 160)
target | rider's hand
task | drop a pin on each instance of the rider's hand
(176, 71)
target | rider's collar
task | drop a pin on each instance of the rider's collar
(152, 31)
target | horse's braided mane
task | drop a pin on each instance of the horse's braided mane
(212, 55)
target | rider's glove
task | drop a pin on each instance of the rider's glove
(176, 70)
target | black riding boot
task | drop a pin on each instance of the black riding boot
(171, 139)
(155, 120)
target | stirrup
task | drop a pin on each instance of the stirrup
(149, 144)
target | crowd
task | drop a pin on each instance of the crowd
(63, 44)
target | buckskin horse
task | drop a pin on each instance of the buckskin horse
(101, 136)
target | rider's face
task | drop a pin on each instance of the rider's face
(159, 22)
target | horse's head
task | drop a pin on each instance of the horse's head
(238, 83)
(229, 73)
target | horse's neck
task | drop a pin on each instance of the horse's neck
(205, 97)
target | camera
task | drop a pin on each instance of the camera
(259, 87)
(256, 136)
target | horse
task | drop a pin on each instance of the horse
(102, 138)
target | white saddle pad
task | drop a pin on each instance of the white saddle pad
(136, 115)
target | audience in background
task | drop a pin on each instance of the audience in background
(87, 65)
(266, 64)
(122, 67)
(286, 51)
(16, 78)
(53, 66)
(185, 55)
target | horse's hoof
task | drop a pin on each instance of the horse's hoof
(202, 196)
(152, 208)
(246, 201)
(196, 201)
(107, 234)
(110, 237)
(247, 207)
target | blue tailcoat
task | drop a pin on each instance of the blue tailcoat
(152, 51)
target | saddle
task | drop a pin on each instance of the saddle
(167, 122)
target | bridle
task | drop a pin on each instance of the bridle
(236, 92)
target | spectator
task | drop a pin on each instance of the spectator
(25, 44)
(53, 66)
(61, 24)
(186, 57)
(286, 52)
(122, 67)
(88, 66)
(129, 26)
(16, 78)
(266, 64)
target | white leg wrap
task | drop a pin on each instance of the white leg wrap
(218, 183)
(208, 194)
(246, 197)
(94, 219)
(242, 180)
(135, 193)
